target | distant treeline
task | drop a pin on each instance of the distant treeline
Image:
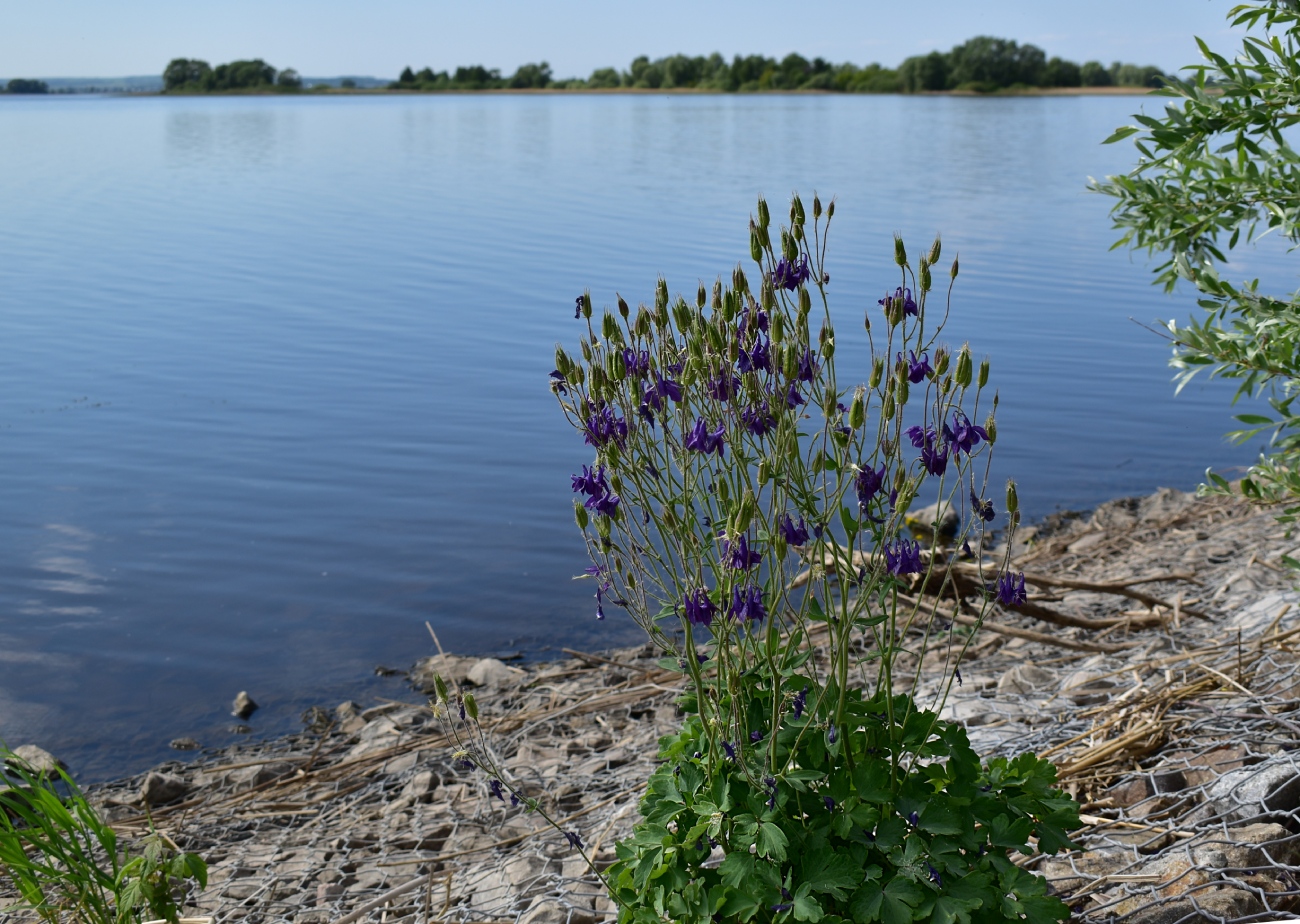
(190, 75)
(19, 85)
(982, 64)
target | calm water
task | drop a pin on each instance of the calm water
(273, 381)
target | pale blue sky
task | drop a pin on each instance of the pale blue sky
(81, 38)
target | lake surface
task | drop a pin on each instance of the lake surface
(273, 376)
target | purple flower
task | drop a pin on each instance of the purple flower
(957, 671)
(577, 307)
(963, 434)
(604, 427)
(935, 877)
(770, 783)
(913, 819)
(573, 839)
(559, 381)
(730, 749)
(758, 419)
(792, 397)
(757, 359)
(725, 386)
(868, 483)
(831, 734)
(700, 439)
(747, 603)
(1011, 589)
(799, 702)
(789, 275)
(903, 556)
(761, 320)
(794, 535)
(495, 786)
(807, 367)
(983, 508)
(909, 304)
(917, 369)
(662, 389)
(464, 763)
(830, 803)
(921, 435)
(935, 459)
(599, 497)
(699, 608)
(636, 364)
(740, 557)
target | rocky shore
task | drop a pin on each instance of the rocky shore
(1155, 664)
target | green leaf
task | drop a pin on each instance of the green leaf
(833, 872)
(1121, 133)
(736, 869)
(807, 908)
(772, 841)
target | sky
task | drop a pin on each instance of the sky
(91, 38)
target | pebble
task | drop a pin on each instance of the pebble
(243, 706)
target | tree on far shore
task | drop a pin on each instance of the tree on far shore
(22, 85)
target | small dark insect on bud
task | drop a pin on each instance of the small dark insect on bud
(622, 307)
(900, 252)
(817, 208)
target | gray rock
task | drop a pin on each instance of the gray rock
(161, 788)
(243, 706)
(246, 778)
(453, 668)
(185, 744)
(1255, 794)
(546, 910)
(1217, 905)
(348, 718)
(1026, 678)
(922, 522)
(489, 672)
(35, 760)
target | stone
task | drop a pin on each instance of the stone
(189, 744)
(1086, 542)
(161, 788)
(1256, 618)
(922, 522)
(1026, 678)
(246, 778)
(489, 672)
(453, 669)
(1206, 905)
(243, 706)
(1067, 875)
(547, 910)
(35, 760)
(348, 718)
(1255, 794)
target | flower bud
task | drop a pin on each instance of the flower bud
(644, 323)
(962, 376)
(661, 292)
(805, 301)
(622, 306)
(738, 280)
(586, 304)
(768, 296)
(900, 252)
(984, 373)
(440, 688)
(471, 706)
(991, 427)
(817, 207)
(586, 350)
(888, 409)
(755, 246)
(935, 249)
(941, 358)
(764, 473)
(866, 321)
(701, 296)
(877, 372)
(789, 249)
(857, 410)
(953, 271)
(1013, 499)
(580, 514)
(745, 511)
(925, 276)
(764, 219)
(717, 296)
(830, 210)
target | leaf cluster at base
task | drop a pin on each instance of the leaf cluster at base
(897, 821)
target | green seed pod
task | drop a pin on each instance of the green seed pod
(615, 368)
(724, 492)
(623, 309)
(776, 327)
(745, 512)
(830, 403)
(953, 271)
(561, 362)
(764, 473)
(644, 323)
(755, 246)
(984, 372)
(662, 318)
(669, 516)
(701, 296)
(877, 372)
(768, 296)
(828, 347)
(1013, 499)
(895, 311)
(471, 707)
(935, 249)
(904, 389)
(764, 219)
(925, 276)
(716, 303)
(586, 304)
(830, 210)
(598, 381)
(579, 375)
(682, 315)
(888, 409)
(580, 515)
(779, 546)
(602, 525)
(817, 207)
(789, 247)
(661, 292)
(805, 301)
(797, 232)
(440, 688)
(991, 428)
(941, 359)
(900, 252)
(858, 410)
(962, 376)
(866, 321)
(796, 211)
(586, 350)
(790, 361)
(738, 280)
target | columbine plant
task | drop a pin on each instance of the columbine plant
(752, 515)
